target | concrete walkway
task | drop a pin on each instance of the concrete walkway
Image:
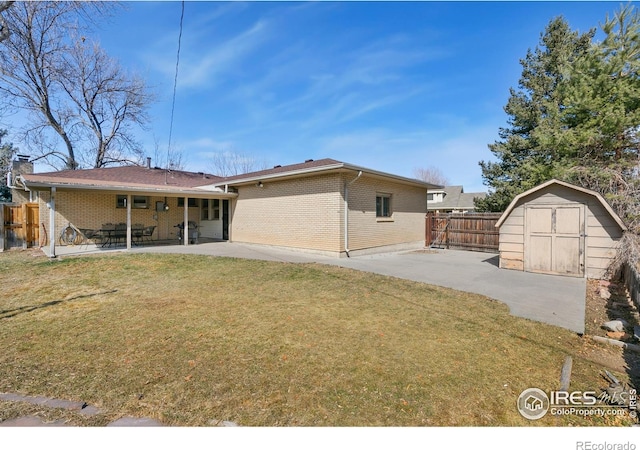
(550, 299)
(81, 408)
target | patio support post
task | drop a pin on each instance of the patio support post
(52, 223)
(185, 223)
(128, 221)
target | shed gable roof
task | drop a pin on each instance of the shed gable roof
(594, 194)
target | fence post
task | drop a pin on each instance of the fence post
(446, 231)
(25, 231)
(632, 280)
(428, 239)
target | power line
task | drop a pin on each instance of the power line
(175, 84)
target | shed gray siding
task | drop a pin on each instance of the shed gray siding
(603, 233)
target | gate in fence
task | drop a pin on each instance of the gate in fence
(469, 231)
(19, 225)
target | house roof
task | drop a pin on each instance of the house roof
(140, 178)
(456, 198)
(310, 167)
(594, 194)
(129, 178)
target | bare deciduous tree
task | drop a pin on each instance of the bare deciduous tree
(71, 89)
(4, 29)
(173, 158)
(229, 163)
(7, 152)
(431, 175)
(107, 101)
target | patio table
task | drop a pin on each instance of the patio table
(113, 235)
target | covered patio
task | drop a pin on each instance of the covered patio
(126, 207)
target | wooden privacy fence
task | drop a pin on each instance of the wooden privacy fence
(469, 231)
(19, 226)
(632, 281)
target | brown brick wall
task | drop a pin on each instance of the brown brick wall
(406, 225)
(304, 213)
(19, 196)
(308, 213)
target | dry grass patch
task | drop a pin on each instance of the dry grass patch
(191, 340)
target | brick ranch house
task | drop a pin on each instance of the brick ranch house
(324, 206)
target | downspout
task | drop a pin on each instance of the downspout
(346, 212)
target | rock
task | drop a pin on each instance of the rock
(636, 332)
(222, 423)
(605, 294)
(616, 334)
(128, 421)
(604, 283)
(615, 325)
(228, 423)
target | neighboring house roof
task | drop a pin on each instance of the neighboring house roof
(130, 178)
(456, 198)
(596, 195)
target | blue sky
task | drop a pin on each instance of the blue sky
(386, 85)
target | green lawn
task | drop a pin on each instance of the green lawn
(190, 340)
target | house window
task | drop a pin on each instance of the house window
(216, 209)
(193, 202)
(429, 197)
(204, 209)
(137, 201)
(383, 205)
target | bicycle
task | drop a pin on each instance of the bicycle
(70, 235)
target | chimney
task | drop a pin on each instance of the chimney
(148, 162)
(22, 166)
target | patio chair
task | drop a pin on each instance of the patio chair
(137, 233)
(121, 231)
(107, 233)
(147, 232)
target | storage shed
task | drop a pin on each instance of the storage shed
(561, 229)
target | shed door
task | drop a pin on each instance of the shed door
(554, 239)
